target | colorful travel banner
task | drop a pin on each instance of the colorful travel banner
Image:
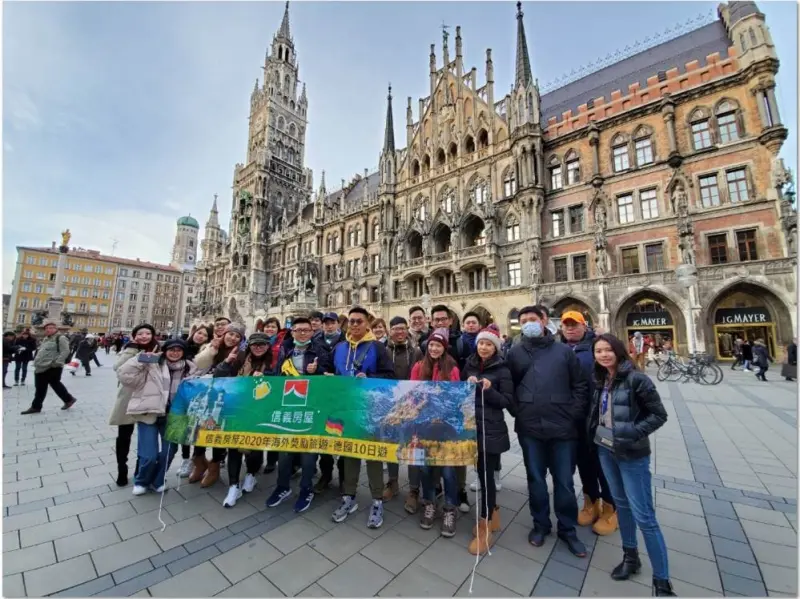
(407, 422)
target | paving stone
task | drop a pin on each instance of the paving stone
(28, 558)
(691, 569)
(546, 587)
(181, 532)
(417, 581)
(86, 542)
(192, 560)
(137, 524)
(750, 501)
(81, 495)
(232, 541)
(183, 510)
(132, 571)
(10, 541)
(515, 538)
(695, 490)
(201, 581)
(162, 559)
(106, 515)
(42, 493)
(137, 585)
(730, 566)
(291, 535)
(718, 507)
(393, 551)
(60, 576)
(255, 585)
(512, 570)
(207, 540)
(340, 543)
(23, 485)
(264, 527)
(726, 528)
(49, 531)
(242, 525)
(777, 578)
(25, 520)
(743, 586)
(33, 506)
(733, 550)
(564, 573)
(786, 508)
(776, 555)
(356, 576)
(679, 504)
(682, 521)
(769, 533)
(754, 514)
(410, 528)
(313, 590)
(13, 586)
(87, 589)
(600, 584)
(294, 572)
(246, 559)
(114, 557)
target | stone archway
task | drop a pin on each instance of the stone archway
(484, 315)
(746, 309)
(655, 315)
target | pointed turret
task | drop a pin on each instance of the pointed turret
(303, 97)
(524, 76)
(213, 217)
(284, 30)
(388, 137)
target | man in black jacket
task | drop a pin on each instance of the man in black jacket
(550, 403)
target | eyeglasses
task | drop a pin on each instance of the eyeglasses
(441, 319)
(301, 331)
(356, 321)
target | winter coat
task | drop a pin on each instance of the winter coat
(9, 349)
(149, 384)
(25, 349)
(455, 373)
(369, 357)
(192, 349)
(791, 354)
(490, 404)
(315, 350)
(53, 353)
(551, 392)
(636, 412)
(761, 356)
(119, 413)
(403, 357)
(747, 352)
(86, 349)
(205, 360)
(319, 337)
(583, 351)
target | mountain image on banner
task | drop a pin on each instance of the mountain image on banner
(295, 393)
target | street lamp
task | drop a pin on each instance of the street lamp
(687, 278)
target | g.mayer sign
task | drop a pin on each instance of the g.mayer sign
(649, 319)
(742, 316)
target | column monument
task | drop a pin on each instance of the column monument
(55, 305)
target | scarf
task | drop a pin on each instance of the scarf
(175, 377)
(249, 367)
(331, 337)
(471, 339)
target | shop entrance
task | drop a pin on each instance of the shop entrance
(514, 328)
(655, 316)
(743, 315)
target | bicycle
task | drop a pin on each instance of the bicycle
(700, 368)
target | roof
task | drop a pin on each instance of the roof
(96, 255)
(188, 221)
(356, 193)
(675, 53)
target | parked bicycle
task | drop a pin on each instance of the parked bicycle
(699, 368)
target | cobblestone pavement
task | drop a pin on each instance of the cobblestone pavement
(725, 469)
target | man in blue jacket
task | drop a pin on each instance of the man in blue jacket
(598, 505)
(550, 403)
(362, 356)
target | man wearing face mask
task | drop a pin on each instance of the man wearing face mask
(550, 403)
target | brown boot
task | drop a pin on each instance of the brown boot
(607, 522)
(412, 501)
(200, 465)
(212, 475)
(391, 490)
(494, 522)
(590, 512)
(482, 538)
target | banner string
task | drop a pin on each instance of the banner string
(163, 491)
(481, 496)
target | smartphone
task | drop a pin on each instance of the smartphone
(148, 358)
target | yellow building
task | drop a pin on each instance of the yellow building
(87, 287)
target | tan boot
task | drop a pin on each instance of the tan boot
(590, 512)
(212, 475)
(494, 522)
(199, 469)
(482, 539)
(412, 501)
(391, 490)
(607, 523)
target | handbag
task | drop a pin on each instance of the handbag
(604, 437)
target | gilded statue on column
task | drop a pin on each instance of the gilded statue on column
(65, 237)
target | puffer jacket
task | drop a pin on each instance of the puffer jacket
(53, 353)
(490, 405)
(636, 412)
(761, 356)
(150, 387)
(119, 413)
(26, 348)
(403, 357)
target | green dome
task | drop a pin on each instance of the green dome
(188, 221)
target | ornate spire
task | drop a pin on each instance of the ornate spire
(284, 30)
(388, 138)
(524, 75)
(213, 220)
(322, 190)
(303, 97)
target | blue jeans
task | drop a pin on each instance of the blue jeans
(559, 457)
(630, 485)
(153, 462)
(429, 477)
(308, 465)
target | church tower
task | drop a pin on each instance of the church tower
(184, 248)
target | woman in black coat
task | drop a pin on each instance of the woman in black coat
(25, 351)
(625, 410)
(493, 395)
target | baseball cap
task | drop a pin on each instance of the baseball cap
(573, 315)
(330, 316)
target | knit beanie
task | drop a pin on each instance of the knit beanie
(491, 333)
(397, 320)
(440, 336)
(235, 327)
(169, 343)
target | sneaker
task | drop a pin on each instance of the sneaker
(497, 484)
(30, 411)
(428, 515)
(16, 384)
(463, 501)
(375, 514)
(139, 490)
(322, 484)
(304, 500)
(475, 485)
(234, 494)
(449, 522)
(159, 489)
(278, 495)
(249, 484)
(347, 507)
(186, 468)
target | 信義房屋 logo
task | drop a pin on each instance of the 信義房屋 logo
(295, 420)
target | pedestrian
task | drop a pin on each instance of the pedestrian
(143, 340)
(494, 393)
(761, 359)
(25, 352)
(278, 338)
(403, 355)
(306, 357)
(789, 369)
(598, 503)
(83, 353)
(9, 352)
(639, 350)
(737, 353)
(154, 378)
(214, 354)
(438, 365)
(360, 355)
(48, 366)
(625, 410)
(378, 327)
(747, 355)
(256, 360)
(118, 344)
(469, 335)
(550, 402)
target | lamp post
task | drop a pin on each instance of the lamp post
(687, 278)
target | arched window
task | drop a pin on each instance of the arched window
(512, 229)
(643, 145)
(351, 237)
(358, 235)
(448, 200)
(727, 121)
(556, 173)
(743, 42)
(440, 157)
(376, 229)
(426, 162)
(479, 192)
(420, 209)
(753, 39)
(699, 121)
(509, 182)
(483, 139)
(286, 84)
(469, 144)
(415, 168)
(292, 130)
(281, 123)
(573, 164)
(620, 155)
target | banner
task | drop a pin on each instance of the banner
(407, 422)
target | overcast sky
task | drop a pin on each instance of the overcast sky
(121, 117)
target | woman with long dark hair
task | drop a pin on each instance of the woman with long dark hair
(438, 365)
(625, 410)
(25, 346)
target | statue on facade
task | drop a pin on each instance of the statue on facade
(340, 270)
(400, 250)
(536, 265)
(600, 215)
(454, 239)
(600, 241)
(680, 201)
(489, 232)
(686, 246)
(601, 261)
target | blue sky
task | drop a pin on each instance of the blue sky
(120, 117)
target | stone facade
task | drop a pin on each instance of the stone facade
(572, 198)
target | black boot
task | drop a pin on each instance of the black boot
(631, 564)
(662, 588)
(123, 445)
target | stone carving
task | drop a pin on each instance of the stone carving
(680, 201)
(536, 266)
(489, 231)
(600, 215)
(686, 245)
(601, 261)
(400, 250)
(454, 239)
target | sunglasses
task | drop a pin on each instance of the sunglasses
(356, 321)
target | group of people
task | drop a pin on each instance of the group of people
(576, 399)
(19, 349)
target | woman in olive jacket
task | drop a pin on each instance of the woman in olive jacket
(625, 410)
(493, 395)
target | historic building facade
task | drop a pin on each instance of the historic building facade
(594, 196)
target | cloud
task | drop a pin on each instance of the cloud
(7, 147)
(22, 111)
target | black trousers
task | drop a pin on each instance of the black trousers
(49, 378)
(96, 361)
(5, 371)
(486, 472)
(593, 480)
(20, 366)
(253, 461)
(186, 451)
(123, 445)
(326, 465)
(217, 454)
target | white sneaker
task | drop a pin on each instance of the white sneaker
(497, 485)
(139, 490)
(475, 485)
(249, 483)
(159, 489)
(186, 468)
(234, 494)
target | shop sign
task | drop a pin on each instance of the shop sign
(649, 319)
(742, 316)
